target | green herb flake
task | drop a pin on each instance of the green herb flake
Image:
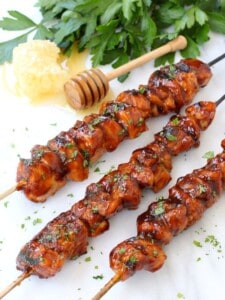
(94, 210)
(180, 296)
(98, 276)
(69, 145)
(142, 89)
(132, 260)
(70, 195)
(159, 209)
(202, 188)
(37, 221)
(97, 169)
(122, 250)
(175, 121)
(212, 240)
(6, 203)
(208, 155)
(197, 244)
(85, 163)
(140, 121)
(171, 73)
(171, 137)
(87, 259)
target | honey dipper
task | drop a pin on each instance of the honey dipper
(91, 86)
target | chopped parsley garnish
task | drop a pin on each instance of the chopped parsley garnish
(171, 73)
(140, 121)
(175, 121)
(212, 240)
(197, 244)
(70, 195)
(202, 188)
(159, 209)
(142, 90)
(85, 163)
(6, 204)
(208, 155)
(87, 259)
(122, 250)
(132, 260)
(180, 296)
(171, 137)
(98, 276)
(69, 145)
(37, 221)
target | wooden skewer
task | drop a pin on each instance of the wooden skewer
(107, 286)
(15, 283)
(8, 192)
(92, 85)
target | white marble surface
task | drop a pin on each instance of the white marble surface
(190, 272)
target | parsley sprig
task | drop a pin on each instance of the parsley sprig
(116, 31)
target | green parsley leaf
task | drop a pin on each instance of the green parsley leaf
(43, 33)
(217, 22)
(201, 16)
(192, 49)
(47, 4)
(18, 22)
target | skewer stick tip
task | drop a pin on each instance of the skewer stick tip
(220, 100)
(15, 283)
(8, 192)
(107, 287)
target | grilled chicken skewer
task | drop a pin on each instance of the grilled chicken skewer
(66, 236)
(69, 154)
(187, 201)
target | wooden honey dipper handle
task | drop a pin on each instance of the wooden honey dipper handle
(91, 86)
(177, 44)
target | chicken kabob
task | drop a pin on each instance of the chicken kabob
(66, 236)
(69, 155)
(165, 218)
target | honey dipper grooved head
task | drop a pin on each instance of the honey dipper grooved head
(86, 88)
